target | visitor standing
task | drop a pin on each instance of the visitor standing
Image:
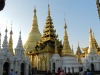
(16, 73)
(62, 72)
(12, 72)
(81, 72)
(59, 71)
(88, 72)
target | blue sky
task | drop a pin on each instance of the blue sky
(80, 16)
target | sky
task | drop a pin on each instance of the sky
(80, 15)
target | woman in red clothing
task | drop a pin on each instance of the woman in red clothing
(59, 71)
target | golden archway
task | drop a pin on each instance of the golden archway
(43, 63)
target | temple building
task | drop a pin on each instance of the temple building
(92, 59)
(66, 60)
(44, 50)
(10, 60)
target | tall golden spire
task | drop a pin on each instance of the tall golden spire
(34, 35)
(49, 32)
(10, 45)
(78, 52)
(92, 47)
(95, 43)
(49, 36)
(66, 47)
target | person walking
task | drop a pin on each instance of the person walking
(88, 72)
(53, 72)
(16, 73)
(12, 72)
(59, 71)
(62, 73)
(81, 72)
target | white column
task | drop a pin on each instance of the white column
(16, 66)
(12, 65)
(1, 68)
(19, 68)
(56, 66)
(26, 69)
(51, 66)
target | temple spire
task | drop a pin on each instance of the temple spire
(11, 41)
(35, 24)
(92, 48)
(65, 27)
(48, 10)
(34, 35)
(49, 32)
(19, 50)
(66, 47)
(5, 43)
(78, 52)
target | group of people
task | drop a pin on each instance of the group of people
(82, 72)
(12, 72)
(60, 72)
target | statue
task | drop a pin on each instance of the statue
(2, 4)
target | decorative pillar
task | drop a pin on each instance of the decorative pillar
(12, 65)
(26, 69)
(51, 67)
(1, 68)
(19, 67)
(16, 66)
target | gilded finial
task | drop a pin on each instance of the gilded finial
(48, 10)
(65, 27)
(20, 32)
(11, 28)
(34, 9)
(90, 30)
(78, 44)
(6, 30)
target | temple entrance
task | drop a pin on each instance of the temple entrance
(6, 68)
(92, 67)
(22, 69)
(53, 65)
